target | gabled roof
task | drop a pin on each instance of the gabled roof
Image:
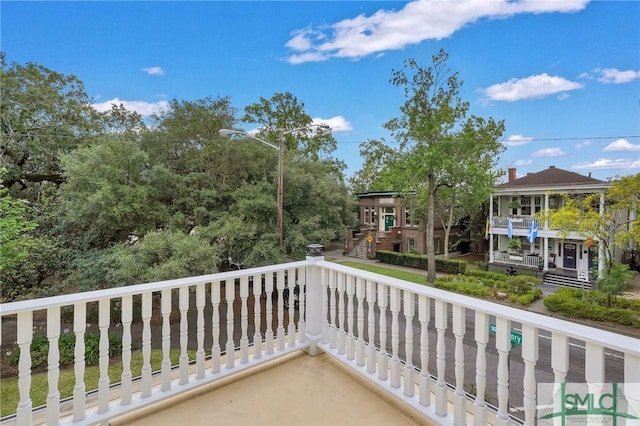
(551, 178)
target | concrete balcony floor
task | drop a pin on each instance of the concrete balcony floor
(296, 389)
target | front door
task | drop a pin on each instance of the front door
(569, 257)
(388, 222)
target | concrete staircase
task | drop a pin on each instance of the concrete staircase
(360, 249)
(564, 281)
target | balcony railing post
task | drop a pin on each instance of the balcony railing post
(315, 254)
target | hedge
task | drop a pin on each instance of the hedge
(410, 260)
(570, 302)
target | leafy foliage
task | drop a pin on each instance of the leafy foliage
(14, 226)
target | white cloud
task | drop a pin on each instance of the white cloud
(609, 164)
(141, 107)
(338, 124)
(535, 86)
(523, 163)
(415, 22)
(517, 140)
(613, 75)
(549, 152)
(621, 145)
(154, 70)
(584, 144)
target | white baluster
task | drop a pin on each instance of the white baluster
(257, 317)
(215, 327)
(165, 367)
(268, 335)
(291, 328)
(126, 377)
(230, 295)
(371, 322)
(394, 305)
(146, 344)
(482, 338)
(244, 320)
(424, 316)
(530, 357)
(325, 276)
(360, 343)
(351, 340)
(383, 357)
(503, 345)
(409, 372)
(79, 326)
(280, 284)
(302, 288)
(333, 329)
(341, 335)
(559, 363)
(459, 403)
(183, 305)
(200, 290)
(24, 338)
(441, 358)
(53, 362)
(104, 319)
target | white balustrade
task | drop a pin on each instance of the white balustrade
(356, 335)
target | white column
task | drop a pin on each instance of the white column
(200, 331)
(341, 331)
(503, 346)
(280, 284)
(79, 326)
(291, 326)
(459, 402)
(371, 322)
(25, 335)
(244, 320)
(360, 355)
(601, 252)
(53, 368)
(351, 340)
(530, 357)
(394, 305)
(409, 373)
(383, 358)
(424, 315)
(441, 358)
(482, 338)
(215, 327)
(183, 305)
(316, 309)
(104, 319)
(230, 297)
(332, 327)
(491, 249)
(257, 317)
(268, 335)
(126, 377)
(165, 367)
(302, 288)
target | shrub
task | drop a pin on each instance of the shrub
(66, 347)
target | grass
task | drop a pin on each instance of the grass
(414, 277)
(39, 385)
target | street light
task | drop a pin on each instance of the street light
(280, 149)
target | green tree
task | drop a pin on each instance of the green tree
(433, 121)
(14, 228)
(616, 281)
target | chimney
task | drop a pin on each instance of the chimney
(512, 174)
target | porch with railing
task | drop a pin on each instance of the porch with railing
(432, 350)
(529, 261)
(517, 222)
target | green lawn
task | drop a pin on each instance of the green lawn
(39, 385)
(414, 277)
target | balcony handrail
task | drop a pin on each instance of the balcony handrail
(95, 295)
(605, 338)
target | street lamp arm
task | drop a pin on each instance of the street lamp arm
(229, 132)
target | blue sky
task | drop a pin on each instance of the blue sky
(563, 74)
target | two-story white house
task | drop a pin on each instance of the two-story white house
(512, 208)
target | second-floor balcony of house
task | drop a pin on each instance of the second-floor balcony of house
(517, 222)
(427, 356)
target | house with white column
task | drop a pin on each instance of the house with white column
(520, 240)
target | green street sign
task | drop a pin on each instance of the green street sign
(516, 338)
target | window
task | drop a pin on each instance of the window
(526, 206)
(408, 219)
(366, 216)
(411, 245)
